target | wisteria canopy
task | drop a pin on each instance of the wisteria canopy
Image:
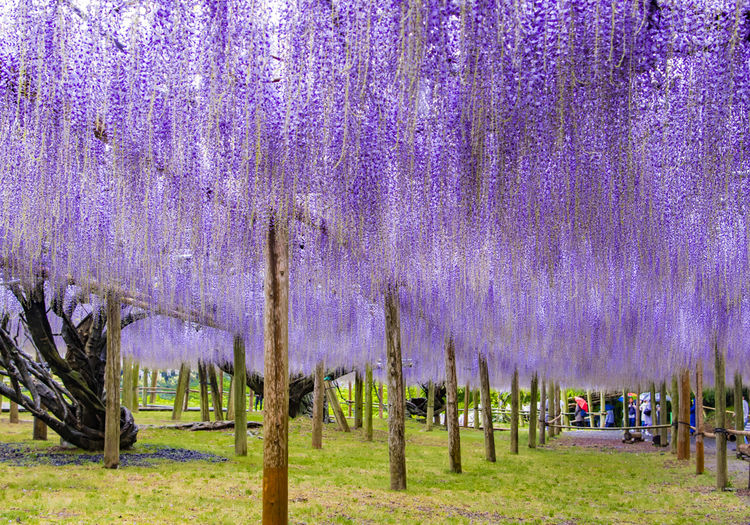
(562, 185)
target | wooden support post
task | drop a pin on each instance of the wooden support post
(136, 377)
(551, 408)
(127, 383)
(467, 402)
(514, 408)
(396, 398)
(144, 397)
(239, 386)
(477, 422)
(699, 452)
(532, 410)
(318, 402)
(430, 405)
(230, 400)
(486, 400)
(675, 414)
(683, 422)
(112, 385)
(663, 418)
(451, 406)
(358, 400)
(216, 400)
(543, 413)
(638, 407)
(381, 401)
(349, 404)
(563, 408)
(591, 408)
(739, 416)
(368, 402)
(558, 409)
(722, 477)
(335, 404)
(652, 403)
(625, 406)
(183, 382)
(276, 376)
(154, 379)
(186, 401)
(203, 380)
(602, 409)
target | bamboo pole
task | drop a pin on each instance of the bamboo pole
(514, 406)
(237, 393)
(675, 414)
(486, 400)
(543, 413)
(318, 402)
(591, 408)
(683, 423)
(357, 400)
(396, 398)
(368, 402)
(533, 410)
(722, 477)
(699, 452)
(216, 400)
(183, 381)
(276, 376)
(203, 380)
(451, 406)
(663, 419)
(430, 405)
(112, 385)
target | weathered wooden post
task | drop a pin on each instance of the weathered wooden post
(477, 422)
(396, 397)
(638, 407)
(350, 403)
(183, 382)
(722, 477)
(112, 385)
(533, 411)
(237, 393)
(338, 412)
(558, 408)
(216, 400)
(381, 402)
(203, 380)
(683, 423)
(739, 416)
(430, 405)
(699, 452)
(276, 375)
(154, 378)
(357, 400)
(675, 414)
(368, 402)
(652, 403)
(467, 402)
(602, 409)
(127, 383)
(486, 400)
(625, 407)
(663, 414)
(591, 408)
(230, 400)
(13, 411)
(543, 413)
(451, 406)
(318, 401)
(514, 407)
(136, 378)
(551, 409)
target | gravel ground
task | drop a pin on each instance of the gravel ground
(147, 455)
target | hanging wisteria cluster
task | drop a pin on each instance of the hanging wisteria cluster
(562, 185)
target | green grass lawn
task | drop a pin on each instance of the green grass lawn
(347, 482)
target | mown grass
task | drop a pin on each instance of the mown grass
(347, 482)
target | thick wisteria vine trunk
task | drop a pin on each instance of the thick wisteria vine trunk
(396, 397)
(66, 393)
(276, 374)
(112, 384)
(183, 383)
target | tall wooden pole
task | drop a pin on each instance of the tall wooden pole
(533, 410)
(135, 378)
(451, 406)
(467, 402)
(318, 402)
(625, 406)
(203, 380)
(350, 403)
(430, 405)
(722, 477)
(739, 416)
(558, 408)
(357, 400)
(699, 453)
(230, 400)
(543, 413)
(239, 386)
(381, 402)
(514, 408)
(638, 407)
(675, 414)
(396, 397)
(652, 403)
(183, 382)
(154, 378)
(477, 422)
(368, 402)
(486, 400)
(663, 418)
(602, 409)
(216, 400)
(683, 424)
(112, 385)
(276, 376)
(591, 408)
(127, 383)
(551, 408)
